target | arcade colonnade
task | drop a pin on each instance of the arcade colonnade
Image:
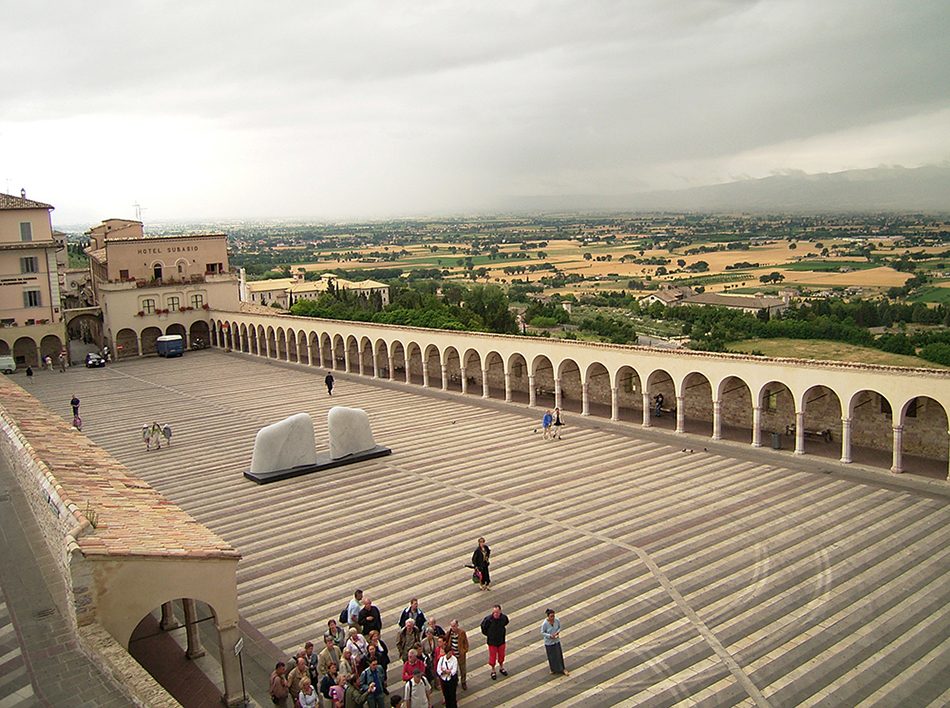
(760, 400)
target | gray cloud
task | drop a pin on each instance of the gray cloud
(293, 107)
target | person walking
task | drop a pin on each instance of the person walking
(278, 686)
(62, 363)
(373, 681)
(448, 671)
(480, 561)
(29, 374)
(557, 425)
(551, 631)
(329, 382)
(167, 434)
(74, 402)
(494, 628)
(657, 404)
(546, 422)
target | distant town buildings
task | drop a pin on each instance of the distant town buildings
(284, 292)
(674, 296)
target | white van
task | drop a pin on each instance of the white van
(7, 364)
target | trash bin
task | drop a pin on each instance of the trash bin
(776, 441)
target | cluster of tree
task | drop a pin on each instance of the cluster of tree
(741, 265)
(549, 314)
(476, 308)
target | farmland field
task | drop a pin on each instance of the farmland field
(828, 351)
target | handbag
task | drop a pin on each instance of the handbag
(477, 576)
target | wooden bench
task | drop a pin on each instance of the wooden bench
(811, 433)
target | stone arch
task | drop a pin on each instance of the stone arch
(414, 365)
(872, 428)
(399, 372)
(279, 350)
(51, 346)
(629, 394)
(925, 435)
(179, 329)
(493, 369)
(86, 328)
(697, 405)
(543, 371)
(735, 406)
(352, 360)
(25, 352)
(472, 374)
(201, 330)
(339, 352)
(597, 392)
(821, 409)
(253, 343)
(5, 348)
(326, 350)
(777, 405)
(126, 343)
(570, 386)
(453, 369)
(311, 342)
(660, 382)
(367, 357)
(381, 359)
(291, 336)
(270, 343)
(432, 371)
(149, 337)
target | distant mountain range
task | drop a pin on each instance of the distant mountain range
(882, 189)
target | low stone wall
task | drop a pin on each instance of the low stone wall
(61, 521)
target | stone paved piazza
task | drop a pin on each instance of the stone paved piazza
(721, 577)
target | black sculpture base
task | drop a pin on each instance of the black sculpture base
(324, 462)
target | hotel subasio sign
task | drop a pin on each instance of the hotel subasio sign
(166, 249)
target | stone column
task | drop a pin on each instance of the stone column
(557, 392)
(346, 361)
(756, 426)
(646, 409)
(392, 367)
(532, 391)
(717, 419)
(845, 439)
(445, 377)
(485, 383)
(194, 650)
(266, 347)
(309, 353)
(359, 355)
(463, 373)
(898, 462)
(408, 377)
(680, 415)
(425, 374)
(615, 403)
(168, 621)
(138, 338)
(799, 432)
(585, 399)
(230, 665)
(508, 387)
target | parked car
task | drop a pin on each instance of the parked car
(94, 360)
(7, 364)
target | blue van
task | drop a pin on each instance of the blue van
(170, 345)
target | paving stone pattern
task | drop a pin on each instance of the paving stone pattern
(681, 579)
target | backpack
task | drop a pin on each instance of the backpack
(345, 615)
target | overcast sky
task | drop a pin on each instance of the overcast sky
(337, 109)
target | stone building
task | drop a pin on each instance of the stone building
(31, 317)
(149, 286)
(284, 292)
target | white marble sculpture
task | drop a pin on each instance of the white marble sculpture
(284, 445)
(349, 432)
